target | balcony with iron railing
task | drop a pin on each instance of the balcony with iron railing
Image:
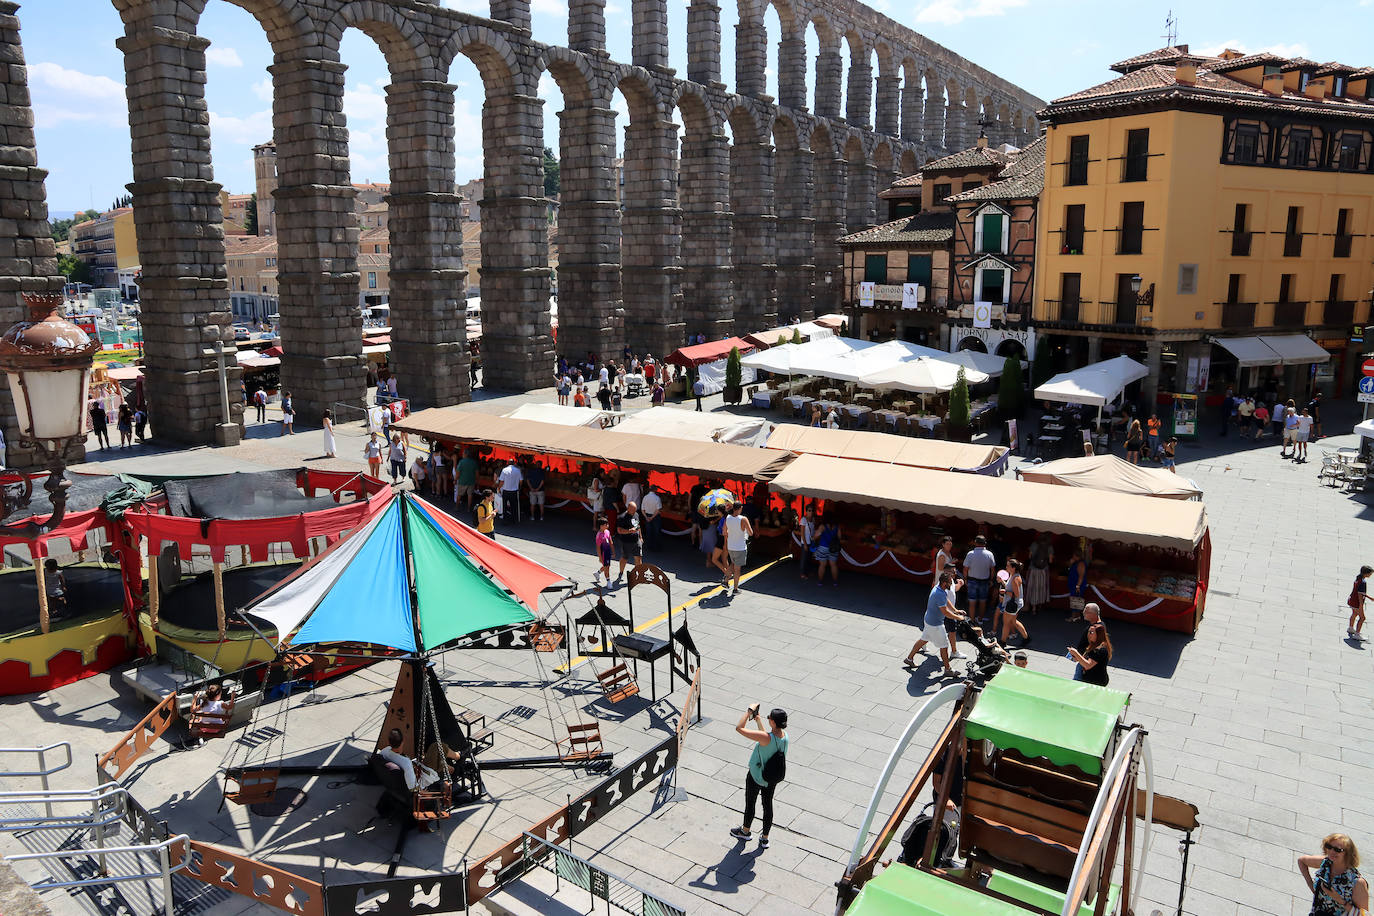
(1238, 314)
(1126, 313)
(1341, 246)
(1292, 246)
(1290, 314)
(1240, 244)
(1065, 310)
(1338, 311)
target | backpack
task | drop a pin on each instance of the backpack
(914, 840)
(775, 768)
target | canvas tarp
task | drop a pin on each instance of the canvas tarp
(1108, 472)
(778, 336)
(900, 890)
(1248, 351)
(708, 352)
(706, 426)
(935, 454)
(1097, 385)
(923, 375)
(784, 359)
(707, 459)
(1117, 517)
(559, 414)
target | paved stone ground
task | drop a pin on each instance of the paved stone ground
(1259, 719)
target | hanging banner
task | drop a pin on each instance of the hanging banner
(1011, 435)
(866, 292)
(911, 295)
(982, 314)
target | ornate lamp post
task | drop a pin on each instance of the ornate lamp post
(47, 362)
(1146, 299)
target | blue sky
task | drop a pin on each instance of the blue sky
(1050, 47)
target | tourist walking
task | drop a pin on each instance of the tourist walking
(1245, 412)
(260, 402)
(1290, 431)
(767, 768)
(328, 421)
(372, 451)
(100, 424)
(651, 507)
(1170, 454)
(465, 479)
(806, 533)
(1338, 888)
(826, 550)
(1038, 577)
(1314, 410)
(534, 481)
(1013, 600)
(288, 415)
(125, 424)
(1134, 438)
(738, 531)
(979, 568)
(603, 397)
(486, 514)
(630, 529)
(510, 479)
(1359, 594)
(140, 418)
(1094, 661)
(1305, 424)
(698, 391)
(939, 606)
(564, 389)
(397, 455)
(1276, 417)
(1078, 585)
(596, 498)
(604, 551)
(1152, 429)
(1261, 419)
(1092, 616)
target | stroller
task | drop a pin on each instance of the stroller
(989, 656)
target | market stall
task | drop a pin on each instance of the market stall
(922, 375)
(808, 330)
(1149, 559)
(1096, 385)
(1108, 472)
(701, 354)
(933, 454)
(706, 426)
(562, 415)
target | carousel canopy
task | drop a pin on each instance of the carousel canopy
(360, 589)
(1069, 723)
(1108, 472)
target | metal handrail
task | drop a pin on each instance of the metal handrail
(96, 798)
(165, 867)
(1122, 759)
(44, 771)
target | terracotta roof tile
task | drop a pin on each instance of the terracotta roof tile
(975, 157)
(1249, 60)
(1023, 177)
(910, 181)
(1159, 56)
(923, 227)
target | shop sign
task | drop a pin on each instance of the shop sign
(1357, 334)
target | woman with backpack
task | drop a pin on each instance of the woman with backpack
(767, 768)
(1359, 594)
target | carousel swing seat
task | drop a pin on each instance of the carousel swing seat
(251, 787)
(583, 743)
(544, 638)
(203, 724)
(617, 683)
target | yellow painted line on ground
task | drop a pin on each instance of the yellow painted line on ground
(649, 625)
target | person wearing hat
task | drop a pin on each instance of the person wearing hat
(768, 742)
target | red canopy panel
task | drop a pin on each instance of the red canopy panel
(273, 351)
(709, 352)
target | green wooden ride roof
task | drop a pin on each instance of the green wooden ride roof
(1040, 715)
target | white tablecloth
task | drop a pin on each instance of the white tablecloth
(762, 398)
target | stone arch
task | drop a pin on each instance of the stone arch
(640, 92)
(861, 192)
(754, 238)
(286, 22)
(703, 196)
(1011, 347)
(972, 343)
(796, 224)
(858, 97)
(489, 52)
(829, 208)
(909, 163)
(405, 49)
(829, 68)
(574, 75)
(912, 100)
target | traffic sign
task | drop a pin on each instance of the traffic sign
(1368, 368)
(1366, 395)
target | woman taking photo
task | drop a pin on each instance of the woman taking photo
(1134, 440)
(1094, 661)
(767, 743)
(1337, 885)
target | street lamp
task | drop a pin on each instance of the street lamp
(47, 361)
(1146, 298)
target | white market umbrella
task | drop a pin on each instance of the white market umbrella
(923, 375)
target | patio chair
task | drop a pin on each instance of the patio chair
(1330, 472)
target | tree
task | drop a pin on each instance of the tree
(1043, 366)
(1009, 392)
(796, 336)
(958, 402)
(250, 221)
(73, 268)
(733, 371)
(553, 180)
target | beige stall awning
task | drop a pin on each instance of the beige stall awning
(1108, 472)
(936, 454)
(1117, 517)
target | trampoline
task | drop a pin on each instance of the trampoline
(95, 590)
(259, 494)
(191, 604)
(85, 494)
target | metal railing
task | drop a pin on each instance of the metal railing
(1237, 314)
(1292, 246)
(43, 771)
(599, 883)
(1290, 314)
(1341, 247)
(1240, 243)
(1061, 310)
(164, 871)
(1338, 311)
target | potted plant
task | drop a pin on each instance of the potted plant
(796, 336)
(958, 409)
(734, 390)
(1010, 391)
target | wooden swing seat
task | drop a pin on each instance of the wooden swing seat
(432, 804)
(617, 683)
(583, 743)
(251, 786)
(210, 725)
(545, 639)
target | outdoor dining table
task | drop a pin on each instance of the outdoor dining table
(799, 403)
(763, 398)
(927, 421)
(889, 417)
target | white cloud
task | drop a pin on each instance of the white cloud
(953, 12)
(615, 9)
(263, 89)
(1293, 49)
(475, 7)
(61, 95)
(557, 9)
(228, 131)
(224, 57)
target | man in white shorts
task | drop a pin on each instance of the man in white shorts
(737, 534)
(939, 605)
(1304, 432)
(1290, 432)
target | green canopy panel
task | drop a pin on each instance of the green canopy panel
(1032, 894)
(454, 596)
(904, 891)
(1069, 723)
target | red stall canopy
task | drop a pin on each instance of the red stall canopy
(709, 352)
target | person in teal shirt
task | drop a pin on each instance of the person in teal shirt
(465, 478)
(767, 742)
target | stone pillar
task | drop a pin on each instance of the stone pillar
(651, 235)
(185, 287)
(517, 336)
(703, 42)
(516, 12)
(934, 133)
(428, 331)
(861, 202)
(831, 175)
(829, 68)
(889, 105)
(587, 26)
(956, 126)
(792, 73)
(317, 238)
(796, 235)
(1149, 386)
(706, 270)
(649, 38)
(590, 317)
(911, 112)
(751, 59)
(859, 98)
(28, 255)
(754, 250)
(1094, 349)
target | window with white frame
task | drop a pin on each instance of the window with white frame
(991, 285)
(990, 230)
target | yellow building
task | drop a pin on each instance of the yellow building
(107, 244)
(1193, 199)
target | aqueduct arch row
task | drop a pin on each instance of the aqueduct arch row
(716, 241)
